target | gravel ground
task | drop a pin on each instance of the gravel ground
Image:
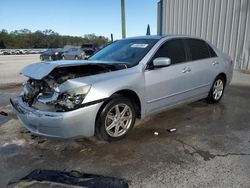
(10, 66)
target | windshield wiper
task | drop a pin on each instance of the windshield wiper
(112, 66)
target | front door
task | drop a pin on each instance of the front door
(170, 85)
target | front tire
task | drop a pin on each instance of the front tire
(217, 90)
(116, 119)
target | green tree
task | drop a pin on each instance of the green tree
(2, 45)
(24, 38)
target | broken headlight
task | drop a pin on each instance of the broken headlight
(73, 99)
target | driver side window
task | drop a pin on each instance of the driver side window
(173, 49)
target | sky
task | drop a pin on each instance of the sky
(79, 17)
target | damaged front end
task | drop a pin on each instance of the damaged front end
(52, 102)
(56, 92)
(45, 95)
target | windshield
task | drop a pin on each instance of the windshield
(129, 51)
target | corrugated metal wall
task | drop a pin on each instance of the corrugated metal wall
(225, 23)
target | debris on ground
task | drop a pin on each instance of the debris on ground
(171, 130)
(83, 150)
(41, 141)
(32, 136)
(156, 133)
(3, 113)
(24, 131)
(73, 178)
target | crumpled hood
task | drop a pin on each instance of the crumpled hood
(40, 70)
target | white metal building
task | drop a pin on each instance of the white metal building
(225, 23)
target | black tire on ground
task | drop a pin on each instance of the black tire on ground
(113, 126)
(217, 90)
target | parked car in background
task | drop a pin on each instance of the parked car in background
(89, 50)
(18, 52)
(74, 53)
(6, 53)
(51, 54)
(130, 78)
(88, 45)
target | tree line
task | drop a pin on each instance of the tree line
(24, 39)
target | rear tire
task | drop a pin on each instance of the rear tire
(217, 90)
(115, 119)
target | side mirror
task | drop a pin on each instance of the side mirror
(161, 62)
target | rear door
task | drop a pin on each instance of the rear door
(202, 62)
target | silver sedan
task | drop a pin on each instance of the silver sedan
(128, 79)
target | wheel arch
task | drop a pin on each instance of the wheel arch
(224, 76)
(130, 94)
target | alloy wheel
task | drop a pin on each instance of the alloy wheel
(118, 120)
(218, 89)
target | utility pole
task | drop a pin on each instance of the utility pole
(123, 19)
(111, 36)
(148, 30)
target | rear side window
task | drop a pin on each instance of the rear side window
(198, 49)
(173, 49)
(211, 51)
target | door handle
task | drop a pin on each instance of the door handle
(186, 69)
(215, 63)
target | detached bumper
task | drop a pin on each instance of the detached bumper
(77, 123)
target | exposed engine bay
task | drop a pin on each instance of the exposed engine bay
(45, 95)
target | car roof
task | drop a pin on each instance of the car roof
(146, 37)
(158, 37)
